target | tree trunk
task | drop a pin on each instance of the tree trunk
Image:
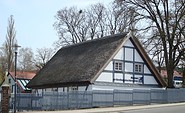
(183, 75)
(170, 78)
(170, 70)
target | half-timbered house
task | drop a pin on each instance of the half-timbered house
(113, 62)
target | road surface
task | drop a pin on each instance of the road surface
(157, 108)
(170, 109)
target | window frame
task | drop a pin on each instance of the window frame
(118, 66)
(138, 68)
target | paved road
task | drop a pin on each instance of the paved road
(171, 109)
(157, 108)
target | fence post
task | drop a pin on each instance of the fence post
(113, 98)
(92, 98)
(68, 100)
(132, 97)
(150, 96)
(32, 101)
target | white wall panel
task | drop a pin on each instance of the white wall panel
(149, 80)
(128, 67)
(109, 66)
(138, 57)
(128, 78)
(138, 79)
(105, 77)
(128, 43)
(118, 78)
(61, 89)
(146, 70)
(119, 55)
(83, 88)
(129, 54)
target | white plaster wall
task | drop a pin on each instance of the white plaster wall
(105, 77)
(137, 80)
(129, 67)
(109, 66)
(146, 70)
(66, 89)
(119, 55)
(96, 87)
(60, 89)
(149, 80)
(118, 76)
(128, 78)
(128, 43)
(129, 54)
(48, 89)
(83, 88)
(138, 57)
(39, 91)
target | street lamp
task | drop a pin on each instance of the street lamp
(16, 46)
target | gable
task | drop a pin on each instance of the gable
(130, 58)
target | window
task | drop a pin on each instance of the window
(9, 80)
(138, 68)
(54, 89)
(118, 66)
(74, 88)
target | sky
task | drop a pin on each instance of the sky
(34, 19)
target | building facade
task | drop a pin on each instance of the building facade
(113, 62)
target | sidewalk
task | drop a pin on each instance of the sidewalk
(107, 110)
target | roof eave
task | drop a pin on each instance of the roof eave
(82, 83)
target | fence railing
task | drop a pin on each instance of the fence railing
(90, 99)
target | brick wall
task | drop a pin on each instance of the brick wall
(5, 99)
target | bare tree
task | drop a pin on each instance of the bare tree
(8, 44)
(1, 76)
(183, 70)
(3, 64)
(119, 18)
(154, 49)
(182, 65)
(26, 59)
(74, 25)
(166, 17)
(2, 68)
(96, 20)
(42, 56)
(70, 26)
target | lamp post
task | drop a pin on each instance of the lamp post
(15, 87)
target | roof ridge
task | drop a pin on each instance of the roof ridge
(89, 41)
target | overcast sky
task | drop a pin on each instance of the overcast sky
(34, 19)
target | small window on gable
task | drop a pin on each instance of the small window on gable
(9, 81)
(138, 68)
(54, 89)
(118, 66)
(74, 88)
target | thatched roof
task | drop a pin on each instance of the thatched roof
(78, 64)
